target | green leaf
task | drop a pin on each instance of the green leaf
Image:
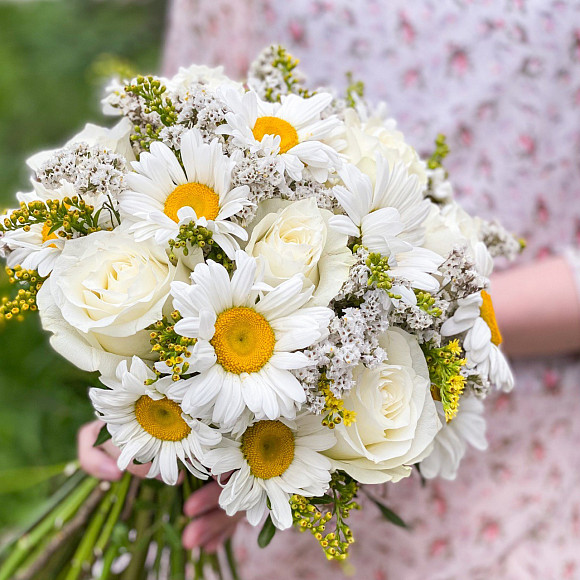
(323, 499)
(389, 514)
(12, 480)
(266, 533)
(104, 435)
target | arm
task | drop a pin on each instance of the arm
(538, 308)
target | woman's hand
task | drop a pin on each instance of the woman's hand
(211, 526)
(101, 461)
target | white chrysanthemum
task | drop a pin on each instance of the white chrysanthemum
(451, 442)
(475, 316)
(388, 217)
(245, 347)
(164, 195)
(148, 425)
(272, 460)
(37, 248)
(292, 129)
(210, 77)
(366, 134)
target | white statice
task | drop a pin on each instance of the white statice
(293, 130)
(476, 318)
(366, 135)
(104, 291)
(294, 238)
(245, 348)
(271, 461)
(114, 140)
(396, 420)
(164, 195)
(388, 217)
(467, 427)
(149, 426)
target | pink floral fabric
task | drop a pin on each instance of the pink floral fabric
(502, 80)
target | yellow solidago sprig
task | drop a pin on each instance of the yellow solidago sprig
(286, 64)
(67, 218)
(29, 283)
(426, 301)
(153, 92)
(307, 516)
(334, 411)
(379, 266)
(441, 151)
(191, 236)
(171, 347)
(447, 383)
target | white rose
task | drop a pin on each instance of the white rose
(116, 140)
(105, 289)
(377, 135)
(449, 227)
(396, 419)
(294, 238)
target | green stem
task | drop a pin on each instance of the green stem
(108, 560)
(54, 520)
(231, 558)
(85, 553)
(140, 546)
(119, 501)
(63, 492)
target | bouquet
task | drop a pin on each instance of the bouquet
(274, 289)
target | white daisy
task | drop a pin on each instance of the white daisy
(165, 195)
(272, 460)
(451, 441)
(388, 218)
(245, 347)
(292, 129)
(476, 317)
(148, 425)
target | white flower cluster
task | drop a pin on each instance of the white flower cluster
(91, 170)
(282, 289)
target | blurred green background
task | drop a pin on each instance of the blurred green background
(55, 56)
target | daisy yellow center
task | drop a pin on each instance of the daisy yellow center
(488, 314)
(201, 198)
(268, 447)
(243, 340)
(275, 126)
(48, 236)
(162, 419)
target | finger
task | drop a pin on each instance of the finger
(203, 500)
(205, 528)
(93, 459)
(139, 470)
(134, 468)
(215, 543)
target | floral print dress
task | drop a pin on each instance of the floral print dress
(501, 78)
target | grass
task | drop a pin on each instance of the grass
(52, 56)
